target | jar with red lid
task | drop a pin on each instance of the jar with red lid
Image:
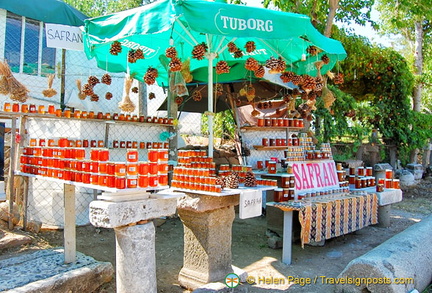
(132, 181)
(110, 181)
(132, 155)
(120, 182)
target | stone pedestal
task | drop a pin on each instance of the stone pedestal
(207, 222)
(135, 238)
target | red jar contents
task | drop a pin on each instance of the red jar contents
(103, 155)
(153, 155)
(163, 179)
(24, 108)
(153, 168)
(85, 143)
(163, 155)
(132, 182)
(93, 143)
(94, 178)
(120, 182)
(143, 168)
(103, 167)
(80, 153)
(122, 144)
(110, 168)
(110, 181)
(86, 178)
(132, 155)
(120, 169)
(163, 168)
(100, 143)
(86, 166)
(102, 180)
(143, 181)
(272, 167)
(78, 177)
(265, 142)
(153, 180)
(94, 154)
(94, 167)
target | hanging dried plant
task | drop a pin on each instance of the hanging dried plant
(18, 91)
(4, 88)
(139, 54)
(171, 52)
(178, 100)
(175, 64)
(150, 76)
(135, 90)
(197, 96)
(108, 96)
(238, 54)
(251, 64)
(126, 105)
(151, 96)
(232, 47)
(81, 94)
(115, 48)
(259, 73)
(87, 90)
(199, 51)
(93, 80)
(94, 98)
(312, 50)
(222, 67)
(50, 92)
(218, 89)
(250, 46)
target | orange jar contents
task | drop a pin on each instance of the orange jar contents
(132, 182)
(132, 169)
(80, 153)
(94, 154)
(94, 167)
(153, 168)
(103, 167)
(103, 155)
(132, 155)
(120, 182)
(7, 107)
(153, 180)
(102, 180)
(120, 169)
(153, 155)
(94, 178)
(110, 168)
(163, 179)
(143, 168)
(86, 177)
(163, 167)
(163, 155)
(110, 181)
(143, 181)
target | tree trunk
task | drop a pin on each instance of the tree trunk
(334, 5)
(418, 65)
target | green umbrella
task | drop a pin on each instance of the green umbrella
(184, 24)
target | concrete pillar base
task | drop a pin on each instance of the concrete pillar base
(384, 216)
(135, 258)
(207, 246)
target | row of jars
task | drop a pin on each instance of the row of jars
(105, 180)
(271, 142)
(280, 122)
(78, 114)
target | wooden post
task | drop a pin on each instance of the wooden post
(11, 181)
(69, 223)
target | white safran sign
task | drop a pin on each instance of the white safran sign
(250, 203)
(64, 37)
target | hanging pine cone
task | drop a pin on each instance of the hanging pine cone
(106, 79)
(131, 56)
(116, 48)
(171, 52)
(232, 47)
(139, 54)
(134, 89)
(251, 64)
(275, 65)
(199, 51)
(319, 84)
(338, 79)
(312, 50)
(259, 73)
(94, 98)
(308, 82)
(196, 96)
(175, 64)
(93, 80)
(250, 46)
(108, 96)
(238, 54)
(287, 76)
(297, 80)
(250, 180)
(178, 100)
(218, 89)
(151, 96)
(325, 59)
(232, 180)
(222, 67)
(149, 79)
(87, 90)
(220, 181)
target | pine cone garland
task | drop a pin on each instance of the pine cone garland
(338, 79)
(250, 46)
(134, 90)
(325, 59)
(250, 180)
(259, 73)
(115, 48)
(222, 67)
(312, 50)
(108, 96)
(232, 47)
(175, 64)
(308, 82)
(287, 76)
(197, 96)
(87, 90)
(199, 51)
(94, 98)
(93, 80)
(251, 64)
(151, 96)
(106, 79)
(171, 52)
(238, 54)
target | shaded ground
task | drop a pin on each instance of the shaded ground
(249, 247)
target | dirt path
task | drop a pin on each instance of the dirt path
(249, 250)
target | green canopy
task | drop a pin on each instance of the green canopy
(48, 11)
(183, 24)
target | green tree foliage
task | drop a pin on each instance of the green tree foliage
(102, 7)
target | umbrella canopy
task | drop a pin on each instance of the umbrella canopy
(49, 11)
(153, 28)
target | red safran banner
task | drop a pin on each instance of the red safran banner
(315, 176)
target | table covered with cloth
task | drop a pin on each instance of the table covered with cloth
(326, 218)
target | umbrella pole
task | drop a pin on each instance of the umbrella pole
(210, 57)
